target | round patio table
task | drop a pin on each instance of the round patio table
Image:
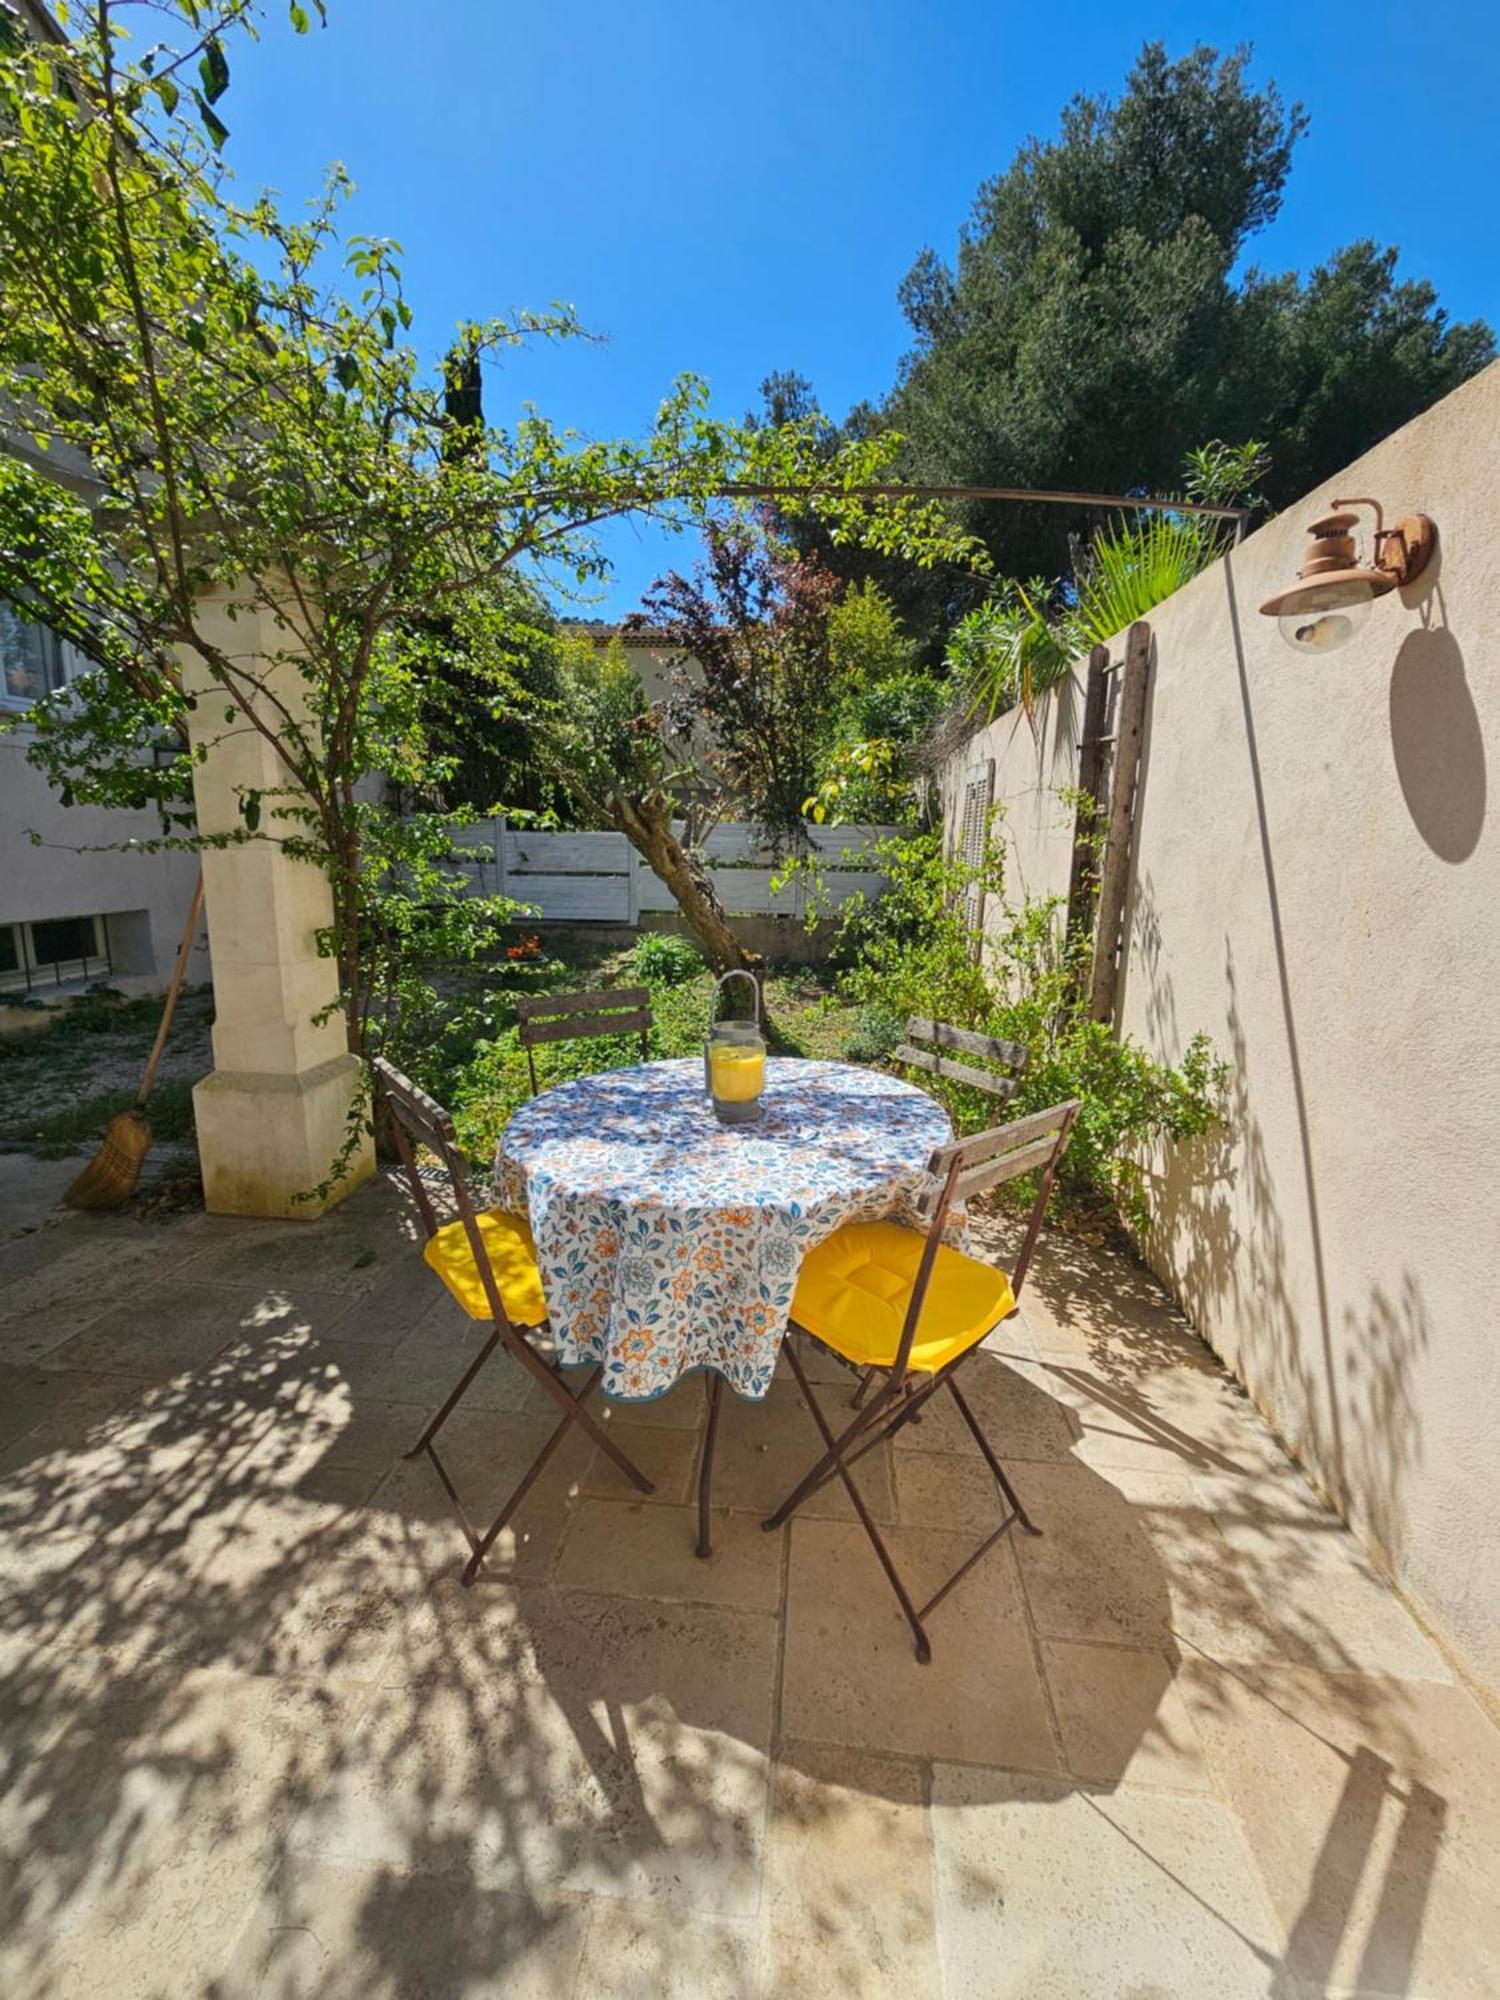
(670, 1243)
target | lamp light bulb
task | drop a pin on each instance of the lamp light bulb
(1325, 616)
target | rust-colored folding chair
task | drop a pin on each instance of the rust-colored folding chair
(576, 1017)
(904, 1304)
(488, 1261)
(1000, 1083)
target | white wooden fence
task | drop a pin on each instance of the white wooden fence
(599, 877)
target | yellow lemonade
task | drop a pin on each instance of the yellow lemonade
(736, 1075)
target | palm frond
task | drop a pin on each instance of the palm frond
(1139, 565)
(1009, 651)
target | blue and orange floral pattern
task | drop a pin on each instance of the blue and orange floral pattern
(669, 1242)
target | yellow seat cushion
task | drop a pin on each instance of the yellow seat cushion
(512, 1253)
(854, 1289)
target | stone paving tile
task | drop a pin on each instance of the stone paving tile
(161, 1330)
(48, 1490)
(1138, 1559)
(851, 1674)
(401, 1301)
(1300, 1559)
(849, 1893)
(1321, 1608)
(423, 1367)
(644, 1951)
(341, 1626)
(1122, 1717)
(199, 1574)
(138, 1837)
(626, 1548)
(324, 1932)
(66, 1404)
(1014, 1408)
(950, 1490)
(325, 1433)
(1012, 1339)
(1046, 1889)
(343, 1253)
(409, 1517)
(1372, 1807)
(43, 1691)
(1090, 1306)
(1179, 1420)
(765, 1448)
(680, 1409)
(594, 1744)
(1093, 1573)
(822, 1368)
(668, 1458)
(35, 1566)
(30, 1190)
(62, 1279)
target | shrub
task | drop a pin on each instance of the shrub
(876, 1032)
(912, 952)
(662, 959)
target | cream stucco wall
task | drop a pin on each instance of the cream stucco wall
(1317, 885)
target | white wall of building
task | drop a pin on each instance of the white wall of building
(143, 897)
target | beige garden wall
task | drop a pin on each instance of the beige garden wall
(1317, 885)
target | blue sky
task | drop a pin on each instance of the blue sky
(730, 190)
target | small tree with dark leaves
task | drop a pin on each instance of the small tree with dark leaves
(759, 678)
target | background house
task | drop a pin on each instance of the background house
(76, 905)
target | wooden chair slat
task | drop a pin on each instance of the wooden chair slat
(991, 1173)
(422, 1115)
(541, 1006)
(968, 1039)
(577, 1017)
(1003, 1087)
(984, 1145)
(579, 1027)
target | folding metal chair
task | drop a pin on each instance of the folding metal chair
(902, 1304)
(488, 1261)
(576, 1017)
(1002, 1083)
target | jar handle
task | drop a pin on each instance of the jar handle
(734, 972)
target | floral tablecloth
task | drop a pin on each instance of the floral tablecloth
(668, 1242)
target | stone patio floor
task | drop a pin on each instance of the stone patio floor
(254, 1739)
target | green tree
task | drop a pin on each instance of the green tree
(1098, 321)
(621, 763)
(202, 394)
(887, 709)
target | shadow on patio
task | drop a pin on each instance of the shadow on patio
(256, 1739)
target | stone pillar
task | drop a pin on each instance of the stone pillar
(272, 1116)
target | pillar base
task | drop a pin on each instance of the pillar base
(265, 1140)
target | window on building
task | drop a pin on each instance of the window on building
(56, 951)
(30, 660)
(64, 938)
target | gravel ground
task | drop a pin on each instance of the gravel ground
(70, 1065)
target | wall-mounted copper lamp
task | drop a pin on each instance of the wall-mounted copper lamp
(1333, 593)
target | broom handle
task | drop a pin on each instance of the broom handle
(189, 930)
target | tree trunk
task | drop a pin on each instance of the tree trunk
(647, 825)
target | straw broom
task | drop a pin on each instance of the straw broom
(110, 1177)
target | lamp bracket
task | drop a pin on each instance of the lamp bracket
(1404, 551)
